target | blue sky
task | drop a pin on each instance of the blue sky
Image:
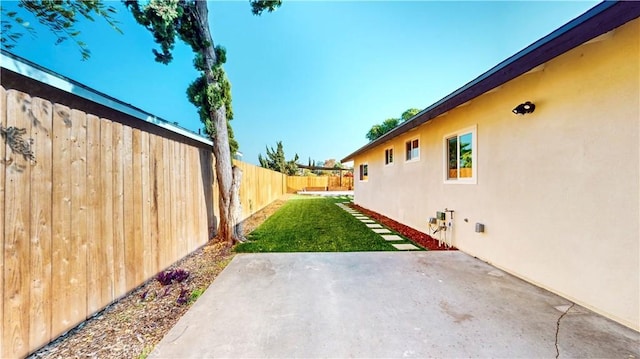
(315, 75)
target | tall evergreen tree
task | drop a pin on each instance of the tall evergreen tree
(275, 160)
(188, 20)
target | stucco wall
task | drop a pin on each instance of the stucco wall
(558, 190)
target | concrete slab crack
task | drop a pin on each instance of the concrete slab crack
(558, 328)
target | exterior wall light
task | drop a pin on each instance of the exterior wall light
(523, 108)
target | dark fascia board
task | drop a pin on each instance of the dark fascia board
(320, 168)
(598, 20)
(39, 75)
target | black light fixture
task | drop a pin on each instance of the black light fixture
(523, 108)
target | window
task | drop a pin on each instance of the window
(460, 152)
(388, 156)
(364, 172)
(413, 149)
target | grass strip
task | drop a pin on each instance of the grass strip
(313, 224)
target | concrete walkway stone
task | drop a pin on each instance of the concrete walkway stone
(385, 305)
(405, 247)
(381, 230)
(392, 237)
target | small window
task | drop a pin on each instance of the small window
(413, 149)
(388, 156)
(364, 172)
(460, 151)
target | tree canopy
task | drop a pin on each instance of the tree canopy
(275, 160)
(389, 124)
(59, 17)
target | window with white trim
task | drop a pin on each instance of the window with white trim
(364, 172)
(460, 156)
(412, 149)
(388, 156)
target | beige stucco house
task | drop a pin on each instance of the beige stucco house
(557, 189)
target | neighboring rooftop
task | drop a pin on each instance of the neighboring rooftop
(24, 75)
(599, 20)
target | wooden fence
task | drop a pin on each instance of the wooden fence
(259, 187)
(299, 183)
(91, 208)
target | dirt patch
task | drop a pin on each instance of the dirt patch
(135, 324)
(423, 239)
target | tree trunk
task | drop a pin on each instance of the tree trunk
(221, 151)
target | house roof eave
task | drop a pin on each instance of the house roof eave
(598, 20)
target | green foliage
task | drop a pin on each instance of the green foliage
(408, 114)
(259, 6)
(168, 19)
(379, 130)
(275, 160)
(195, 294)
(145, 352)
(60, 17)
(389, 124)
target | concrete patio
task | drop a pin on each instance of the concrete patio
(386, 304)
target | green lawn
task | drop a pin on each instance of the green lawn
(313, 224)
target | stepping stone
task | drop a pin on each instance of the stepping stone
(392, 237)
(373, 225)
(362, 217)
(367, 220)
(356, 214)
(381, 230)
(405, 246)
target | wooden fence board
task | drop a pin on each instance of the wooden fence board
(16, 236)
(155, 151)
(194, 234)
(129, 195)
(179, 164)
(167, 238)
(175, 207)
(161, 189)
(94, 220)
(186, 182)
(41, 221)
(61, 245)
(147, 254)
(3, 124)
(201, 210)
(137, 206)
(206, 169)
(76, 296)
(106, 263)
(129, 207)
(119, 271)
(205, 198)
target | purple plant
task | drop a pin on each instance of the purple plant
(183, 298)
(167, 290)
(172, 276)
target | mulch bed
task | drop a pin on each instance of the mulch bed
(423, 239)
